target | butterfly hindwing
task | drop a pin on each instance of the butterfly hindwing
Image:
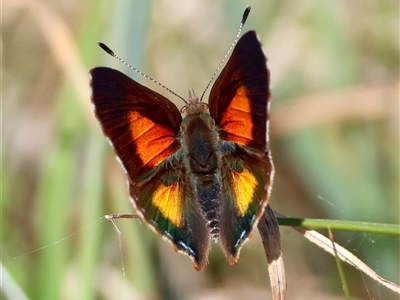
(165, 201)
(246, 179)
(239, 104)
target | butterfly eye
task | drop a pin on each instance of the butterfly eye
(184, 109)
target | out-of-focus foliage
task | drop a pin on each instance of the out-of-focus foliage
(334, 137)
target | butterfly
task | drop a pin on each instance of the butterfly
(200, 173)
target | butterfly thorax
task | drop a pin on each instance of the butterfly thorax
(200, 142)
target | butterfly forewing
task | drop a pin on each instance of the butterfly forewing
(141, 124)
(239, 98)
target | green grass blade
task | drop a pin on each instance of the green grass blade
(390, 229)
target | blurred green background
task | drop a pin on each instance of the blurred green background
(334, 137)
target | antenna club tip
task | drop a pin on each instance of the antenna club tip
(246, 14)
(105, 48)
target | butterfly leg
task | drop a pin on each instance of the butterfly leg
(121, 216)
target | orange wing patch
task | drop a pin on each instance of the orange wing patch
(168, 199)
(152, 140)
(236, 120)
(243, 185)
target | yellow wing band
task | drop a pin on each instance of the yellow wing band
(244, 184)
(168, 199)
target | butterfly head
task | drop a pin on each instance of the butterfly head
(194, 105)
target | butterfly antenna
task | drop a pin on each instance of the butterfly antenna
(244, 18)
(109, 51)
